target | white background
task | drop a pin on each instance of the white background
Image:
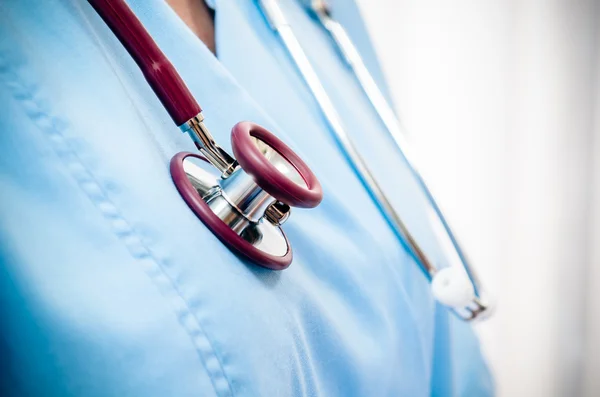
(501, 99)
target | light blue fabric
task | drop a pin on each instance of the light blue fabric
(110, 286)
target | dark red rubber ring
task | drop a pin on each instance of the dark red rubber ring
(266, 175)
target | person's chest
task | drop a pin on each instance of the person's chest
(353, 313)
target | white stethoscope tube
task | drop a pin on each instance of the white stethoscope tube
(454, 286)
(388, 117)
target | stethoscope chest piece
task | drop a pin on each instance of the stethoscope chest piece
(243, 199)
(246, 209)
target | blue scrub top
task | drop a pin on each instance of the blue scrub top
(110, 286)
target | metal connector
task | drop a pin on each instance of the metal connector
(206, 144)
(277, 213)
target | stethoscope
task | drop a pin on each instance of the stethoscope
(455, 286)
(245, 198)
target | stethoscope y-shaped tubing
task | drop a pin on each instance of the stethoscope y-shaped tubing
(157, 69)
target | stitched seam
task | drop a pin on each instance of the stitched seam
(26, 93)
(109, 57)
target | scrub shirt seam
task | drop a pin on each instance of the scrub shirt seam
(110, 60)
(25, 93)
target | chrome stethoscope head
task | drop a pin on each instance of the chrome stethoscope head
(245, 201)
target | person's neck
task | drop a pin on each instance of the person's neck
(198, 17)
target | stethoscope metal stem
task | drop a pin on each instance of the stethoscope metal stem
(205, 142)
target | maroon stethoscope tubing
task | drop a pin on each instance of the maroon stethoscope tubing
(158, 71)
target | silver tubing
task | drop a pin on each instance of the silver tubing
(278, 22)
(385, 112)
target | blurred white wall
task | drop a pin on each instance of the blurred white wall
(592, 308)
(502, 100)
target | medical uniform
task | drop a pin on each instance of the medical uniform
(111, 286)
